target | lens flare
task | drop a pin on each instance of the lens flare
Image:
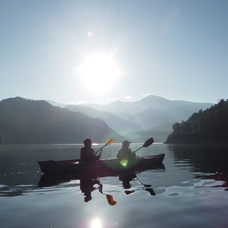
(124, 163)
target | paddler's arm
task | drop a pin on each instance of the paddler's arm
(92, 155)
(100, 153)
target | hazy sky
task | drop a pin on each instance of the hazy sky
(102, 50)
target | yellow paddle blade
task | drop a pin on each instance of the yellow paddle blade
(109, 141)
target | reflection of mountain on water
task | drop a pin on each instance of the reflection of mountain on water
(17, 190)
(17, 183)
(211, 161)
(223, 177)
(206, 159)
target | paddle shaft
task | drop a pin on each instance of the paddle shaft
(146, 144)
(101, 148)
(138, 149)
(108, 142)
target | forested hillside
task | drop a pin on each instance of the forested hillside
(29, 122)
(210, 125)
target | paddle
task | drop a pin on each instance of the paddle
(146, 144)
(109, 198)
(145, 185)
(107, 142)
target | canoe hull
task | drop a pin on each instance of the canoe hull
(102, 167)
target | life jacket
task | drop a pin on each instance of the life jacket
(124, 154)
(88, 154)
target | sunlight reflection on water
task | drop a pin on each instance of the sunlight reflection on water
(96, 223)
(191, 191)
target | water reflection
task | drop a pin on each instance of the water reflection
(18, 190)
(206, 161)
(87, 185)
(90, 183)
(204, 158)
(218, 177)
(127, 178)
(96, 223)
(192, 192)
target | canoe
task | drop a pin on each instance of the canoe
(101, 167)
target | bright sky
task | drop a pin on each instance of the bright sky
(76, 51)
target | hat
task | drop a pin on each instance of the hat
(126, 142)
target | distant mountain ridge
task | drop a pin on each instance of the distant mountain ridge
(115, 122)
(134, 119)
(31, 121)
(36, 122)
(177, 109)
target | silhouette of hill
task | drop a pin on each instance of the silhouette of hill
(210, 125)
(32, 122)
(53, 103)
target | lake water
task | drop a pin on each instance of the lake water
(191, 190)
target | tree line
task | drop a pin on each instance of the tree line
(206, 126)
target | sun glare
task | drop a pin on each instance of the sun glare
(96, 223)
(99, 72)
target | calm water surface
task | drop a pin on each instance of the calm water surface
(191, 190)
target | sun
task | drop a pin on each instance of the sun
(99, 72)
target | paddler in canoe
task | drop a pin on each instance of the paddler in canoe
(125, 152)
(87, 181)
(87, 153)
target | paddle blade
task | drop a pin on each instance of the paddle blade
(110, 200)
(109, 141)
(148, 142)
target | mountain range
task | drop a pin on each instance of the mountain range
(25, 121)
(34, 121)
(151, 116)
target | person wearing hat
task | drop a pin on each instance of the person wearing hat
(125, 152)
